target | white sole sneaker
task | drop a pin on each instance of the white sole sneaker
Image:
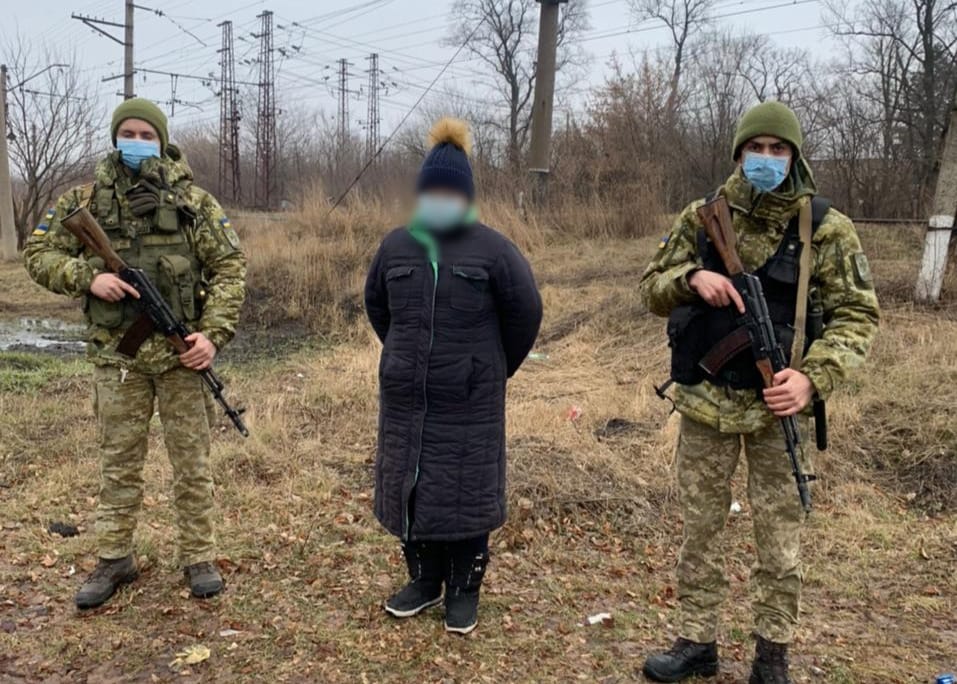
(414, 611)
(461, 630)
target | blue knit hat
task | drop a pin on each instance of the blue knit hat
(447, 164)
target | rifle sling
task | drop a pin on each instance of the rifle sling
(135, 336)
(805, 233)
(725, 350)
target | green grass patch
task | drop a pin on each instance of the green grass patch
(23, 372)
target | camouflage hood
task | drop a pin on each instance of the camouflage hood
(173, 168)
(777, 207)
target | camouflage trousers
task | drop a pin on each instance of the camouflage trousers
(124, 405)
(706, 461)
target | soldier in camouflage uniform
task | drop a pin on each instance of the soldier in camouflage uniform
(721, 419)
(144, 198)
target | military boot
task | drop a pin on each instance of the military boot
(462, 584)
(106, 578)
(204, 580)
(683, 660)
(426, 563)
(770, 663)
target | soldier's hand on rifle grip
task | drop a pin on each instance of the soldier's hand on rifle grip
(717, 290)
(201, 352)
(791, 394)
(111, 288)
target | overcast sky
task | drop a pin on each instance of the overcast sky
(408, 34)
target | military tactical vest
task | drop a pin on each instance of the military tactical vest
(697, 328)
(158, 245)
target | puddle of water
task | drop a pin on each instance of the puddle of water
(49, 334)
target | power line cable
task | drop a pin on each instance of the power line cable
(373, 158)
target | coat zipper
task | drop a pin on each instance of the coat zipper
(425, 393)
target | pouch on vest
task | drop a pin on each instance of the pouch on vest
(107, 208)
(686, 348)
(98, 311)
(167, 216)
(178, 286)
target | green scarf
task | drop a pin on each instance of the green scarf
(426, 238)
(778, 206)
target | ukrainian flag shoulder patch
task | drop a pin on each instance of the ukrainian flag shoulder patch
(664, 242)
(45, 224)
(225, 223)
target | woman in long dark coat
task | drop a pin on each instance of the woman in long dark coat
(457, 309)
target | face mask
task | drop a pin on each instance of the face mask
(135, 152)
(440, 212)
(765, 172)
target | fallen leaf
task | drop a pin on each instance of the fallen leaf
(191, 655)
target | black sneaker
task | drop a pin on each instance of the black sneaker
(204, 580)
(106, 578)
(683, 660)
(413, 598)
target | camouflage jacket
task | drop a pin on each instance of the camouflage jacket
(55, 259)
(840, 273)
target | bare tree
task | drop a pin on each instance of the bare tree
(903, 57)
(503, 34)
(55, 129)
(683, 19)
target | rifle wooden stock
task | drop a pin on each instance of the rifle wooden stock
(81, 223)
(718, 225)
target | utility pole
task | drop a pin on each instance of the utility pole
(127, 42)
(128, 52)
(8, 227)
(372, 123)
(539, 157)
(344, 65)
(266, 124)
(940, 226)
(229, 117)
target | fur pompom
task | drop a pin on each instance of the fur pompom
(451, 130)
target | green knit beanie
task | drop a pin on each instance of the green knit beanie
(769, 118)
(138, 108)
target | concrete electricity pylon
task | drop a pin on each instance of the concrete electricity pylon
(540, 149)
(940, 226)
(127, 42)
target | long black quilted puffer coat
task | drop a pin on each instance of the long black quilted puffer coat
(450, 342)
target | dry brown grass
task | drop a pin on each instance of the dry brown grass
(594, 523)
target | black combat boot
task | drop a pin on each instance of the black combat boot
(683, 660)
(463, 580)
(106, 578)
(770, 663)
(426, 561)
(204, 580)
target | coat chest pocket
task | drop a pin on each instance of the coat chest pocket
(470, 288)
(402, 286)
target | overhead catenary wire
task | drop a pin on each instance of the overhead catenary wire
(373, 158)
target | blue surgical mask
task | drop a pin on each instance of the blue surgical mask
(135, 152)
(765, 172)
(441, 212)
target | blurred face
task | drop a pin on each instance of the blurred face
(441, 209)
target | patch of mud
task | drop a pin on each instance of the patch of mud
(48, 335)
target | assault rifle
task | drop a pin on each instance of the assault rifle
(768, 354)
(157, 315)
